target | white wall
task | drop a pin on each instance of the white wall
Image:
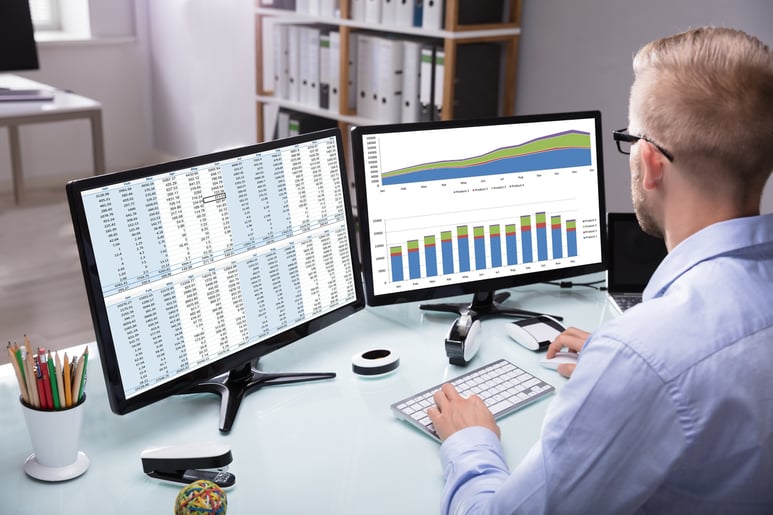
(576, 55)
(202, 64)
(175, 78)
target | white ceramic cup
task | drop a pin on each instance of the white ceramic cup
(55, 436)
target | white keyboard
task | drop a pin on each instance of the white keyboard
(503, 387)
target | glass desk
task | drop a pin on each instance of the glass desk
(326, 447)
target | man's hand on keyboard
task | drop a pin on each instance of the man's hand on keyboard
(453, 412)
(572, 339)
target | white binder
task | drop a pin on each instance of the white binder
(410, 108)
(327, 8)
(426, 68)
(357, 10)
(309, 66)
(389, 79)
(432, 14)
(403, 13)
(440, 57)
(389, 12)
(365, 69)
(293, 63)
(280, 60)
(373, 11)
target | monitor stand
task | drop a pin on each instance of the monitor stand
(486, 303)
(233, 386)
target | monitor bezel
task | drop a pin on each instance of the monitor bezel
(17, 37)
(472, 287)
(119, 402)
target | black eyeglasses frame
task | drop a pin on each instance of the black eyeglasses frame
(622, 135)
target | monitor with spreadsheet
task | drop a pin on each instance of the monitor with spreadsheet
(196, 268)
(471, 206)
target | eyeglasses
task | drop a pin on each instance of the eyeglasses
(624, 141)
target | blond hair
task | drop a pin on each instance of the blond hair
(707, 96)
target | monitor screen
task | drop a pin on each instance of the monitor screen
(18, 51)
(472, 206)
(198, 267)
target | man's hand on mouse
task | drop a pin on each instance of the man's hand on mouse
(453, 412)
(572, 339)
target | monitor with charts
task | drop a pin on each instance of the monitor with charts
(196, 268)
(473, 206)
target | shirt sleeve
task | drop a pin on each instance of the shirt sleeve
(609, 438)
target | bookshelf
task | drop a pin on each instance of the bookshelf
(504, 34)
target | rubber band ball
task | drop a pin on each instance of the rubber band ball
(201, 498)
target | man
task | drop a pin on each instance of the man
(670, 406)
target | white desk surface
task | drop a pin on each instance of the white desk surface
(63, 101)
(328, 447)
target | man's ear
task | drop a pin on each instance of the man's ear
(653, 164)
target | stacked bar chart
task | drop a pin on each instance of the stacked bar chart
(487, 250)
(453, 205)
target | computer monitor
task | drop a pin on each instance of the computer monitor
(196, 268)
(18, 51)
(472, 206)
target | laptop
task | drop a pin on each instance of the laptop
(632, 259)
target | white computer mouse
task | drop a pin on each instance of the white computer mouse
(558, 359)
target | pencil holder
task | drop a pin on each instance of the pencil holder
(55, 436)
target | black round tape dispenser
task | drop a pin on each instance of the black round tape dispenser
(375, 362)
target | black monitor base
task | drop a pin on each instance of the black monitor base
(232, 387)
(487, 303)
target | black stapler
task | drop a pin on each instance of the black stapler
(189, 463)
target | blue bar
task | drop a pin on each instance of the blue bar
(396, 258)
(480, 247)
(511, 245)
(496, 251)
(464, 249)
(430, 255)
(414, 264)
(447, 249)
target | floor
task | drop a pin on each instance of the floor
(41, 286)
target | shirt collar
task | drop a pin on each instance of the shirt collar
(712, 241)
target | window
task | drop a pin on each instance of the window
(45, 14)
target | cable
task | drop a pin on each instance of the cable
(570, 284)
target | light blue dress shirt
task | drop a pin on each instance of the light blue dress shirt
(670, 409)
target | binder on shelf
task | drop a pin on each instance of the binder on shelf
(389, 12)
(280, 61)
(310, 7)
(270, 121)
(283, 124)
(373, 11)
(357, 9)
(293, 63)
(483, 12)
(328, 8)
(438, 73)
(418, 7)
(351, 101)
(410, 108)
(426, 81)
(403, 13)
(334, 64)
(473, 97)
(432, 14)
(325, 70)
(309, 65)
(279, 4)
(365, 73)
(388, 79)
